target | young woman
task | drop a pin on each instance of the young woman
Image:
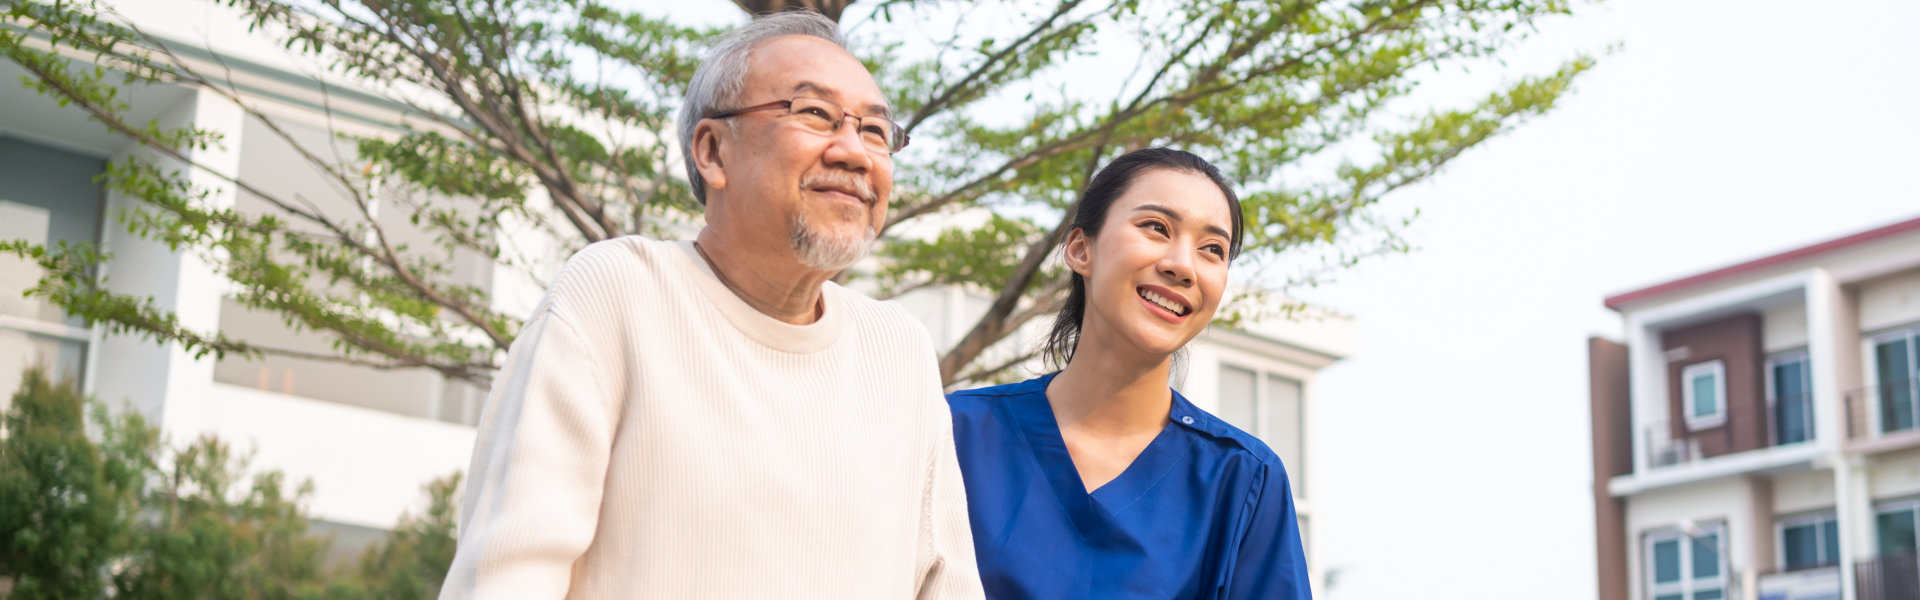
(1099, 481)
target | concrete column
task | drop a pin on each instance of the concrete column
(1760, 554)
(1833, 334)
(1646, 376)
(139, 371)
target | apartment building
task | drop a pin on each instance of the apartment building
(370, 439)
(1755, 433)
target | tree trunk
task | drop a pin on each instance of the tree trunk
(830, 8)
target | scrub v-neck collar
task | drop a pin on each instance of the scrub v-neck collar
(1091, 510)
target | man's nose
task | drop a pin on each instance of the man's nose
(845, 148)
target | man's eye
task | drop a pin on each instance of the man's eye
(814, 111)
(873, 130)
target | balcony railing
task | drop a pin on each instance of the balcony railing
(1883, 409)
(1895, 577)
(1792, 419)
(1815, 583)
(1664, 450)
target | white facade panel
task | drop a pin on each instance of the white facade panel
(366, 465)
(1784, 327)
(1717, 501)
(1889, 302)
(1894, 475)
(1803, 492)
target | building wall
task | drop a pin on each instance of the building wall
(1803, 491)
(1736, 342)
(1894, 475)
(1783, 327)
(1721, 500)
(1612, 456)
(1889, 302)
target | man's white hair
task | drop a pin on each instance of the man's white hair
(717, 84)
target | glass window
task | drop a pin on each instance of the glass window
(1285, 429)
(1809, 542)
(1704, 394)
(1792, 405)
(47, 197)
(1894, 528)
(1237, 396)
(1666, 561)
(1706, 556)
(1893, 360)
(1687, 567)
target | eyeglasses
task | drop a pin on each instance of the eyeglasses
(819, 116)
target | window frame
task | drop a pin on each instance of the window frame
(1815, 519)
(1910, 334)
(1263, 403)
(1718, 368)
(1688, 584)
(1907, 505)
(1805, 359)
(61, 330)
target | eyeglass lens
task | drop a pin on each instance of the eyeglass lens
(825, 118)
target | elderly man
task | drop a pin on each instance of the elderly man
(716, 418)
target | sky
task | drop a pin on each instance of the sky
(1452, 451)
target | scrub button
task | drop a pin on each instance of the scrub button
(1187, 420)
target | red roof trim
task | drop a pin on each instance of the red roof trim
(1616, 301)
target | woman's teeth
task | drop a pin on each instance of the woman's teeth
(1163, 302)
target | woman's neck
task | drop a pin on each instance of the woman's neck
(1103, 392)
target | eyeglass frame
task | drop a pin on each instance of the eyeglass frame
(898, 131)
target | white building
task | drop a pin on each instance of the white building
(369, 440)
(1756, 435)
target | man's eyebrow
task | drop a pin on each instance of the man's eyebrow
(1176, 217)
(871, 110)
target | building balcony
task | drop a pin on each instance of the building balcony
(1789, 423)
(1884, 417)
(1817, 583)
(1894, 577)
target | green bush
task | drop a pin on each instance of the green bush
(120, 513)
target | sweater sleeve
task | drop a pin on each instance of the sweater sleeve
(540, 458)
(947, 568)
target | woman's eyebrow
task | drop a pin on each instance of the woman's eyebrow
(1176, 217)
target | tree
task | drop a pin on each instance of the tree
(557, 114)
(122, 511)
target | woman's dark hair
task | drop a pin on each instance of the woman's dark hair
(1108, 185)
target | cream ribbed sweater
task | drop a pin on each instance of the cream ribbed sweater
(653, 436)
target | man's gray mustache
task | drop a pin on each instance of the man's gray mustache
(840, 181)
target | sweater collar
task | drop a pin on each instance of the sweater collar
(770, 332)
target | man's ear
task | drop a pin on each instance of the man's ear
(1078, 252)
(707, 138)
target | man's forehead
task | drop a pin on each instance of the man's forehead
(816, 68)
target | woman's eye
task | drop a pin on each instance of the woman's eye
(1156, 226)
(1217, 250)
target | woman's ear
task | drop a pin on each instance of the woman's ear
(706, 153)
(1078, 252)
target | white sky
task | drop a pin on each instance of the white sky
(1452, 452)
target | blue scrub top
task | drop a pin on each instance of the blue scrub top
(1204, 512)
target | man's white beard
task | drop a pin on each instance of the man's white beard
(828, 251)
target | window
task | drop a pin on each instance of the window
(1704, 394)
(1894, 372)
(47, 196)
(1808, 542)
(1893, 527)
(1788, 394)
(1270, 407)
(1687, 567)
